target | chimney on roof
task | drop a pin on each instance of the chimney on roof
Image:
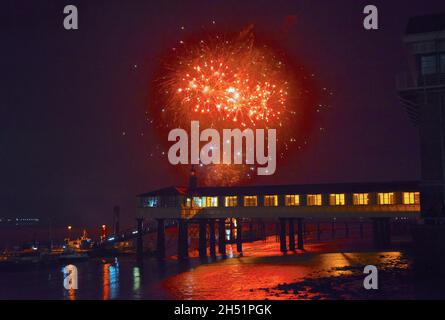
(193, 179)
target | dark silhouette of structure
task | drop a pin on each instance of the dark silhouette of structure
(422, 92)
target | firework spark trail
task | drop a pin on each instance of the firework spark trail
(230, 82)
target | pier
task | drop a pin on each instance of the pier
(214, 210)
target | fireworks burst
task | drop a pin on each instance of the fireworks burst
(230, 81)
(233, 81)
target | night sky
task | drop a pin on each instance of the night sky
(74, 140)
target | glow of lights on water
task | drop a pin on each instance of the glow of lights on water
(136, 279)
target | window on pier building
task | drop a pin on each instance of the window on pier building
(150, 202)
(271, 201)
(197, 202)
(428, 64)
(411, 197)
(386, 198)
(314, 199)
(250, 201)
(211, 202)
(205, 202)
(360, 199)
(292, 200)
(231, 201)
(337, 199)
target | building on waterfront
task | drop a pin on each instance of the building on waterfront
(390, 199)
(422, 92)
(283, 204)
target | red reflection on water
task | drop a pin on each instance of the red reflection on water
(106, 281)
(72, 294)
(263, 267)
(231, 280)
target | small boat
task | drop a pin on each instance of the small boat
(20, 260)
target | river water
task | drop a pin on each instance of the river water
(261, 273)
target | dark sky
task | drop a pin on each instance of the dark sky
(67, 97)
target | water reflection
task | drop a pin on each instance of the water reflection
(70, 281)
(262, 273)
(110, 280)
(136, 280)
(257, 278)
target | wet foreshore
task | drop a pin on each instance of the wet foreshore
(328, 270)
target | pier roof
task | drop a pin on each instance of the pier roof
(393, 186)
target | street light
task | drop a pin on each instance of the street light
(69, 232)
(103, 234)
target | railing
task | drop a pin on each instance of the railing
(131, 233)
(282, 211)
(408, 81)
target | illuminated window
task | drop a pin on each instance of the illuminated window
(360, 198)
(271, 201)
(150, 202)
(386, 198)
(314, 199)
(188, 202)
(337, 199)
(210, 201)
(231, 201)
(205, 202)
(411, 198)
(250, 201)
(197, 202)
(292, 200)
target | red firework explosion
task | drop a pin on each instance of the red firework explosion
(231, 82)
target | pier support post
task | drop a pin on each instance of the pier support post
(375, 231)
(333, 229)
(139, 242)
(239, 235)
(212, 239)
(386, 231)
(291, 235)
(182, 239)
(160, 243)
(263, 230)
(283, 247)
(277, 231)
(222, 236)
(251, 235)
(381, 232)
(202, 239)
(361, 229)
(346, 230)
(300, 233)
(231, 228)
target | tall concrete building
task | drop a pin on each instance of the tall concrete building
(422, 92)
